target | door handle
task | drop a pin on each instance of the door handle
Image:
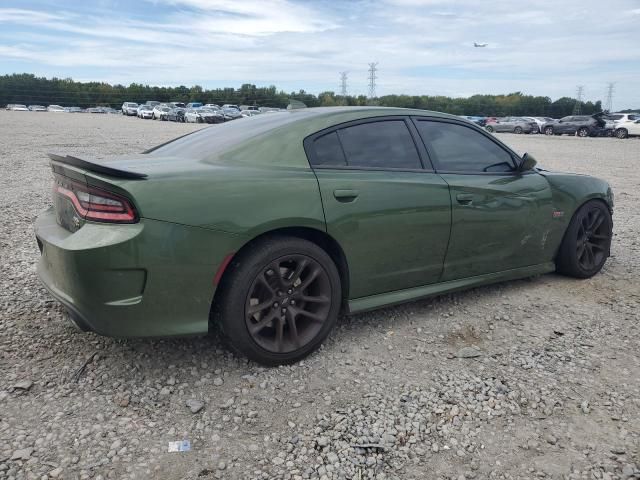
(345, 195)
(464, 198)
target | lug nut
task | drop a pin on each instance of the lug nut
(289, 291)
(292, 302)
(284, 310)
(276, 305)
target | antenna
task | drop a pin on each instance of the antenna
(608, 104)
(373, 68)
(343, 83)
(577, 108)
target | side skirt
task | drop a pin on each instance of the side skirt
(401, 296)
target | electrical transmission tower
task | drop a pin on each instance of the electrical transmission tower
(577, 108)
(608, 104)
(373, 68)
(343, 84)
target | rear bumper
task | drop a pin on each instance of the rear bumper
(151, 278)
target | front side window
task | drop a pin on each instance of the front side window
(457, 148)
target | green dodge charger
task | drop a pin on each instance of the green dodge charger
(269, 227)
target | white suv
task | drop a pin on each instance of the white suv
(129, 108)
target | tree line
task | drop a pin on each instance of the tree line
(31, 90)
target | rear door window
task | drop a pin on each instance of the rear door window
(382, 144)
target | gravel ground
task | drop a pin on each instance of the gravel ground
(538, 378)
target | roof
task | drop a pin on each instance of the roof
(282, 129)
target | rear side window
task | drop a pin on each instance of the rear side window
(457, 148)
(634, 117)
(328, 151)
(386, 144)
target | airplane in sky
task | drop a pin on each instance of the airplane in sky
(480, 45)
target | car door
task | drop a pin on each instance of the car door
(500, 217)
(502, 124)
(390, 215)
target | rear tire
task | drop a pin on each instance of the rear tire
(489, 128)
(548, 131)
(517, 130)
(587, 241)
(583, 132)
(278, 301)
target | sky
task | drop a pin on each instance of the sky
(421, 46)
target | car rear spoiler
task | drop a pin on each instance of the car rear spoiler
(96, 167)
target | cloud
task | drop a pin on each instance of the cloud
(421, 46)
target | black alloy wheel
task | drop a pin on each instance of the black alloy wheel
(587, 241)
(278, 300)
(288, 303)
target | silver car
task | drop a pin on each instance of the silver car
(512, 125)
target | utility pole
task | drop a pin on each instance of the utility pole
(577, 108)
(608, 104)
(343, 86)
(373, 68)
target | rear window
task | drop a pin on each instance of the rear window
(210, 141)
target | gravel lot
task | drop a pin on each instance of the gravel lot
(552, 388)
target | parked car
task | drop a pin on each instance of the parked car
(172, 242)
(176, 105)
(480, 121)
(160, 112)
(230, 105)
(581, 125)
(202, 115)
(130, 108)
(145, 111)
(512, 124)
(56, 108)
(176, 115)
(213, 105)
(231, 114)
(628, 129)
(37, 108)
(620, 118)
(95, 110)
(16, 107)
(74, 110)
(250, 113)
(193, 105)
(539, 121)
(152, 103)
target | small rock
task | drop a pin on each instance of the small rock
(332, 458)
(618, 450)
(194, 405)
(22, 454)
(551, 439)
(468, 352)
(222, 465)
(584, 406)
(55, 473)
(218, 381)
(23, 385)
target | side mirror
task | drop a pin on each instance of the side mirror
(527, 163)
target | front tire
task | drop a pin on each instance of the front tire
(279, 300)
(583, 132)
(621, 133)
(548, 131)
(517, 130)
(587, 241)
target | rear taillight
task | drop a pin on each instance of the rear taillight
(97, 205)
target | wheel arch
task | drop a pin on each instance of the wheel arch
(319, 237)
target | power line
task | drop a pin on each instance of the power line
(608, 104)
(373, 68)
(577, 108)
